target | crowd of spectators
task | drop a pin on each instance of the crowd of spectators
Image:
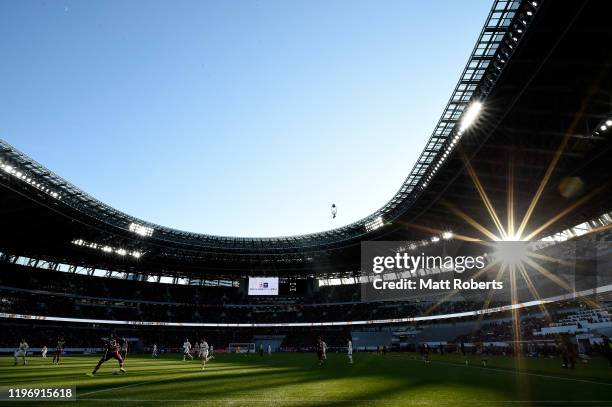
(503, 330)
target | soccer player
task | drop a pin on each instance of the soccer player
(124, 348)
(22, 352)
(154, 355)
(324, 347)
(111, 351)
(199, 348)
(463, 353)
(269, 350)
(59, 349)
(319, 348)
(187, 349)
(204, 348)
(43, 352)
(425, 352)
(261, 349)
(483, 356)
(349, 351)
(568, 352)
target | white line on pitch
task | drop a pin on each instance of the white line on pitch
(519, 372)
(167, 379)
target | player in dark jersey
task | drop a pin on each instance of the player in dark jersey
(111, 351)
(425, 352)
(320, 349)
(59, 349)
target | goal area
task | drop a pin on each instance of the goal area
(241, 347)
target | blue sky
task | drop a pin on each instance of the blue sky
(242, 118)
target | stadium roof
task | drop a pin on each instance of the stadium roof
(532, 103)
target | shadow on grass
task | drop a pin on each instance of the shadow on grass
(296, 379)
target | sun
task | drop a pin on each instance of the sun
(511, 253)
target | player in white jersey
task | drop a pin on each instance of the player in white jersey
(204, 353)
(349, 351)
(269, 350)
(187, 349)
(154, 354)
(43, 352)
(324, 349)
(202, 346)
(22, 352)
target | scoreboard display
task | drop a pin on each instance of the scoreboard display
(272, 286)
(293, 286)
(263, 285)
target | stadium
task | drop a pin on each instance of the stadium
(521, 153)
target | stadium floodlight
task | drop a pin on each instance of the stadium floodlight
(23, 176)
(141, 230)
(107, 249)
(470, 116)
(603, 127)
(374, 224)
(609, 123)
(435, 239)
(447, 235)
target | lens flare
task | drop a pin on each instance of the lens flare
(511, 253)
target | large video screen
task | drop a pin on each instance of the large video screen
(263, 285)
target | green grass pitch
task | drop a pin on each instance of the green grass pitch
(297, 380)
